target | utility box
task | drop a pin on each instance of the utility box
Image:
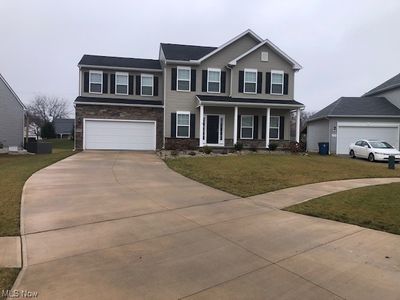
(39, 148)
(391, 162)
(323, 148)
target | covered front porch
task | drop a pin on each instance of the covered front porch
(254, 123)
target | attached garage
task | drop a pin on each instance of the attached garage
(107, 134)
(350, 132)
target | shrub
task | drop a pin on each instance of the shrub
(207, 150)
(201, 150)
(224, 151)
(253, 148)
(47, 131)
(174, 152)
(296, 147)
(192, 153)
(238, 146)
(273, 146)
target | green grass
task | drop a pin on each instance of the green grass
(376, 207)
(254, 174)
(7, 278)
(14, 171)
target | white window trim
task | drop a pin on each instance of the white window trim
(219, 80)
(141, 84)
(241, 127)
(90, 82)
(177, 125)
(283, 80)
(276, 127)
(244, 80)
(127, 83)
(177, 78)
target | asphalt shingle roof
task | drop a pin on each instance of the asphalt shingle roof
(123, 62)
(63, 126)
(358, 106)
(185, 52)
(388, 84)
(246, 100)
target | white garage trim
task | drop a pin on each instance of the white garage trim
(118, 120)
(366, 124)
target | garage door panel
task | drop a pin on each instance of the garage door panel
(347, 134)
(119, 135)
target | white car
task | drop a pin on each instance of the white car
(373, 150)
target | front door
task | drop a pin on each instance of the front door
(212, 129)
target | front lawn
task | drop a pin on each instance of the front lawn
(253, 174)
(7, 278)
(376, 207)
(14, 171)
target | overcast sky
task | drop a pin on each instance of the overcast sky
(345, 47)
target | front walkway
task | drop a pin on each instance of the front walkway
(109, 225)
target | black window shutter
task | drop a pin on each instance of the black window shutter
(138, 84)
(86, 82)
(259, 82)
(223, 81)
(193, 81)
(239, 125)
(255, 128)
(281, 127)
(204, 78)
(263, 126)
(268, 83)
(192, 125)
(241, 81)
(155, 86)
(105, 83)
(112, 84)
(173, 125)
(130, 84)
(285, 83)
(173, 79)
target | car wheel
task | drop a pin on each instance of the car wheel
(371, 157)
(352, 155)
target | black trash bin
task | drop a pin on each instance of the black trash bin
(323, 148)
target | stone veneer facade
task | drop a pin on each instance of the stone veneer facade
(118, 112)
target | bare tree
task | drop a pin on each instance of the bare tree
(44, 109)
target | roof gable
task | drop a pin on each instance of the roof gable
(387, 85)
(12, 91)
(358, 106)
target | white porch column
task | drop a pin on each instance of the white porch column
(267, 126)
(235, 126)
(201, 126)
(298, 125)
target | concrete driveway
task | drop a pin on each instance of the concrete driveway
(121, 225)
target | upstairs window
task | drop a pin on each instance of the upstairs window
(274, 129)
(277, 82)
(183, 79)
(146, 85)
(121, 83)
(182, 124)
(247, 125)
(95, 82)
(250, 81)
(214, 81)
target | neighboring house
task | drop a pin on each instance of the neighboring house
(375, 115)
(12, 114)
(192, 96)
(64, 128)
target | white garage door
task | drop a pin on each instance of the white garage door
(348, 133)
(119, 135)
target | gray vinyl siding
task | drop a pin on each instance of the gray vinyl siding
(134, 96)
(317, 132)
(253, 61)
(393, 96)
(11, 118)
(186, 101)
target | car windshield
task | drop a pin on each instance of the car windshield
(381, 145)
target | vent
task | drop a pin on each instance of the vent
(264, 56)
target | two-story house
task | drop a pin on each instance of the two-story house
(192, 96)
